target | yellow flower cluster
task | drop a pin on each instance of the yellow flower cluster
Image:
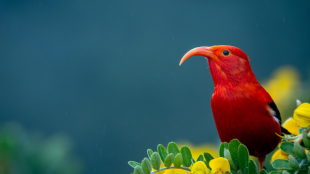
(196, 151)
(301, 118)
(218, 165)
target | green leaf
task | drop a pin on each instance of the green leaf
(228, 157)
(222, 147)
(263, 172)
(187, 156)
(146, 166)
(303, 171)
(169, 160)
(138, 170)
(155, 161)
(299, 151)
(285, 172)
(134, 164)
(288, 148)
(200, 158)
(276, 172)
(293, 162)
(281, 164)
(208, 158)
(162, 152)
(305, 139)
(178, 160)
(253, 169)
(233, 149)
(243, 156)
(233, 172)
(173, 148)
(149, 153)
(308, 157)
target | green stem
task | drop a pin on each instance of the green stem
(165, 168)
(287, 138)
(302, 162)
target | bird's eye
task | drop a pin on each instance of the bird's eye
(225, 52)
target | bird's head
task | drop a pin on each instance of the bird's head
(228, 64)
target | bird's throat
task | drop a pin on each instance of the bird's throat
(230, 76)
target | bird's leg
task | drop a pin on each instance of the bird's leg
(261, 160)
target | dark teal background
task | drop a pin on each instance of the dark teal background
(107, 73)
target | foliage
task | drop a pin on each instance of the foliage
(234, 152)
(293, 156)
(30, 153)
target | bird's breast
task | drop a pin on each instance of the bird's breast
(243, 115)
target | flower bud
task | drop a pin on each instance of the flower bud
(298, 102)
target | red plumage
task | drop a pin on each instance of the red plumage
(241, 107)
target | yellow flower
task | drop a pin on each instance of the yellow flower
(300, 119)
(196, 151)
(302, 115)
(200, 168)
(175, 171)
(219, 166)
(279, 154)
(291, 126)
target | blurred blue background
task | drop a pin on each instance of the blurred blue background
(106, 73)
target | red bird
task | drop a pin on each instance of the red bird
(241, 107)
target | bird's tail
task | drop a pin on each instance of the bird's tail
(285, 131)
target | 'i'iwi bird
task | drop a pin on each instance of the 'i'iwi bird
(241, 107)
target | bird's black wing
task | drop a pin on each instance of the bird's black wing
(285, 131)
(277, 117)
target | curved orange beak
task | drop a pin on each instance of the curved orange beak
(198, 51)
